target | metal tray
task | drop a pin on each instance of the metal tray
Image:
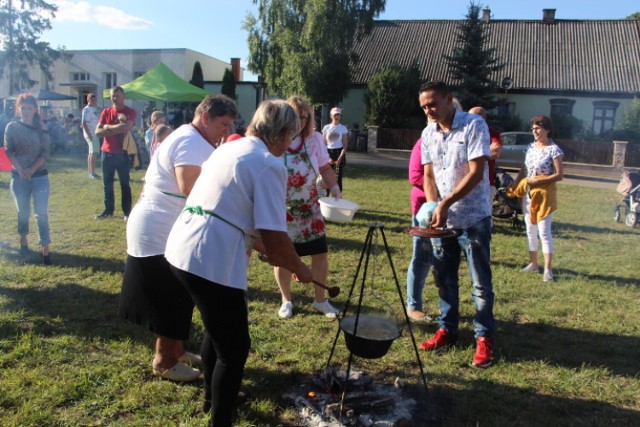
(438, 233)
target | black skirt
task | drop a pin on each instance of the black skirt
(151, 296)
(314, 247)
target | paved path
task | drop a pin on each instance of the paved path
(400, 160)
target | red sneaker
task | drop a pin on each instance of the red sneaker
(442, 338)
(484, 353)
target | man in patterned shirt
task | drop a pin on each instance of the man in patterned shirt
(455, 150)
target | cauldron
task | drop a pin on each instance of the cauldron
(373, 337)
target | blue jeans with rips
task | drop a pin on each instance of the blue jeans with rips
(112, 163)
(22, 191)
(418, 271)
(475, 241)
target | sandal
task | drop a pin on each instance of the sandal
(180, 372)
(190, 359)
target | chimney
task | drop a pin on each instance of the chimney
(486, 14)
(549, 16)
(235, 68)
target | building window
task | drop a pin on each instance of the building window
(561, 107)
(110, 80)
(78, 77)
(504, 109)
(604, 115)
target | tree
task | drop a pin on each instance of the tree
(228, 84)
(197, 78)
(306, 47)
(472, 63)
(634, 16)
(22, 26)
(629, 127)
(391, 101)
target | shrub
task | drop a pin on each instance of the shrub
(392, 99)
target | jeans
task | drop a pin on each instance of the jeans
(418, 270)
(22, 190)
(226, 343)
(110, 164)
(475, 241)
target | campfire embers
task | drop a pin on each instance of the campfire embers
(318, 401)
(328, 400)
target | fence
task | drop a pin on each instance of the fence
(632, 156)
(592, 152)
(586, 152)
(397, 139)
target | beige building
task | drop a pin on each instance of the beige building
(92, 71)
(589, 69)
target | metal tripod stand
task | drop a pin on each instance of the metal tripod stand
(366, 250)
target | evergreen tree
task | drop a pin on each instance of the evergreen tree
(197, 78)
(391, 101)
(228, 84)
(305, 47)
(472, 63)
(22, 22)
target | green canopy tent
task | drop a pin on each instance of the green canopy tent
(163, 85)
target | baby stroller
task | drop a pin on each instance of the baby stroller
(505, 207)
(629, 206)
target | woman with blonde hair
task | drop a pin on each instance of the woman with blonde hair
(28, 148)
(307, 159)
(239, 195)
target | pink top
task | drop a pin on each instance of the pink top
(416, 178)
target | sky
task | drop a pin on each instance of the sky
(214, 27)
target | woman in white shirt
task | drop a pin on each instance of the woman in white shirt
(151, 296)
(239, 195)
(335, 136)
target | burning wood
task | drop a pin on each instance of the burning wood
(366, 404)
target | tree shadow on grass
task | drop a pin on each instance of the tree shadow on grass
(563, 228)
(565, 274)
(65, 260)
(571, 348)
(466, 402)
(66, 308)
(352, 245)
(516, 407)
(379, 217)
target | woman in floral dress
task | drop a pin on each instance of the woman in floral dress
(306, 159)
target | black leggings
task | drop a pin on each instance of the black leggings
(334, 153)
(226, 344)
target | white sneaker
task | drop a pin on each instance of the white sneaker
(286, 310)
(531, 268)
(326, 308)
(548, 276)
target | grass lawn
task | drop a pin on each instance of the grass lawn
(568, 352)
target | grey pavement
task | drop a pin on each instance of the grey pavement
(400, 160)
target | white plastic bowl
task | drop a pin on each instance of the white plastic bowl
(338, 210)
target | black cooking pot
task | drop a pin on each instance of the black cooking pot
(373, 336)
